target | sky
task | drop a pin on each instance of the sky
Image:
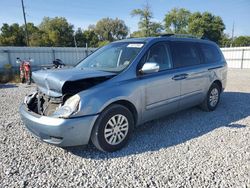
(82, 13)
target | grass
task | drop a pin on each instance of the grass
(9, 76)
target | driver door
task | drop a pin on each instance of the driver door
(162, 92)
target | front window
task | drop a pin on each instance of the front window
(159, 54)
(114, 57)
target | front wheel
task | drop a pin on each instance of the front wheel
(212, 99)
(112, 128)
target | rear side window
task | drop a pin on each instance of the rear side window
(210, 53)
(184, 54)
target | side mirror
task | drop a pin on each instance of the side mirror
(18, 60)
(150, 67)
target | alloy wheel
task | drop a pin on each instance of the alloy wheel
(116, 129)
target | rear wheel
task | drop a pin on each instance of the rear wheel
(212, 99)
(113, 128)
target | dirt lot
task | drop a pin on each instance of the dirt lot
(191, 148)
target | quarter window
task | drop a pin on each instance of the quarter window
(210, 53)
(184, 54)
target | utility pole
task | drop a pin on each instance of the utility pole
(75, 40)
(74, 35)
(26, 28)
(232, 36)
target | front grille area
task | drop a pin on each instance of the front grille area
(47, 105)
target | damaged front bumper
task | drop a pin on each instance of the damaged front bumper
(58, 131)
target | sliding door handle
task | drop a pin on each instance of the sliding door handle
(180, 77)
(212, 68)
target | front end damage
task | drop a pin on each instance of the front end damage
(47, 113)
(57, 88)
(48, 118)
(42, 104)
(59, 107)
(58, 131)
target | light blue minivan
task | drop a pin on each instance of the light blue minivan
(123, 85)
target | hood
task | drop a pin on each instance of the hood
(56, 82)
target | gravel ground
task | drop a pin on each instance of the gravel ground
(191, 148)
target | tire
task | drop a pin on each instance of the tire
(212, 99)
(108, 134)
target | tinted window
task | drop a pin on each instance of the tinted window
(210, 53)
(159, 53)
(184, 54)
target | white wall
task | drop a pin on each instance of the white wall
(237, 57)
(42, 55)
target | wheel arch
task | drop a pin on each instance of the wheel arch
(218, 82)
(130, 106)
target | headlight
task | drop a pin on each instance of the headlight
(69, 107)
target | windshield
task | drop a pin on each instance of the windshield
(114, 57)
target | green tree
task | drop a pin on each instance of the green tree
(12, 35)
(119, 29)
(155, 28)
(111, 29)
(36, 36)
(176, 21)
(91, 37)
(242, 41)
(39, 38)
(58, 32)
(31, 28)
(146, 26)
(137, 34)
(86, 37)
(103, 43)
(79, 37)
(225, 40)
(145, 15)
(206, 25)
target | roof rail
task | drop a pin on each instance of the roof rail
(167, 35)
(204, 38)
(182, 36)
